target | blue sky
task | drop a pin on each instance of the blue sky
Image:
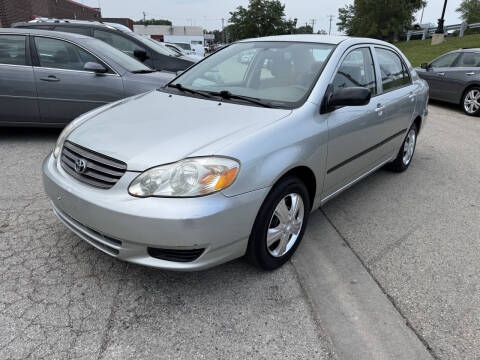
(208, 13)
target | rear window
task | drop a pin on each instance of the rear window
(12, 49)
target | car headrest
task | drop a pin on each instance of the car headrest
(469, 59)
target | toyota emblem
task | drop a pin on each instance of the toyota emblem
(80, 166)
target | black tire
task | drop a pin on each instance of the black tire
(462, 104)
(399, 165)
(257, 252)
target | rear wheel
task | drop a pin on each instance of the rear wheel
(471, 101)
(280, 224)
(405, 154)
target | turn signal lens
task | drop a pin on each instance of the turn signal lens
(226, 179)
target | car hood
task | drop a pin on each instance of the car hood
(159, 128)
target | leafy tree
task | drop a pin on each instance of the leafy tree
(469, 11)
(261, 18)
(381, 19)
(307, 29)
(153, 22)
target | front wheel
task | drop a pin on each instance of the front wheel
(405, 154)
(471, 101)
(280, 224)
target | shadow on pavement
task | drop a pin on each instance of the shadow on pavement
(27, 133)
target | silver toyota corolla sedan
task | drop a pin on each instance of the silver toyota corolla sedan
(231, 157)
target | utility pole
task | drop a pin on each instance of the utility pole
(313, 25)
(421, 18)
(441, 21)
(223, 30)
(330, 27)
(144, 16)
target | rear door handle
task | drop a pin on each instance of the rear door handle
(411, 96)
(441, 74)
(50, 78)
(470, 73)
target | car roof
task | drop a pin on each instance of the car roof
(321, 39)
(67, 22)
(70, 36)
(325, 39)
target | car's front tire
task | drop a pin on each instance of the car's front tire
(405, 154)
(471, 101)
(280, 224)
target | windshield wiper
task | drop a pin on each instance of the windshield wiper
(228, 95)
(180, 87)
(143, 71)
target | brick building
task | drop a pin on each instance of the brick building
(12, 11)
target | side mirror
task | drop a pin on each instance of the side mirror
(425, 66)
(95, 67)
(352, 96)
(140, 54)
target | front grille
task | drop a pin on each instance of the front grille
(100, 171)
(175, 255)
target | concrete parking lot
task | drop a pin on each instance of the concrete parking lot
(388, 270)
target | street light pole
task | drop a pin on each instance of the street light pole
(441, 21)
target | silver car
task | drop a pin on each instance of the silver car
(49, 78)
(272, 139)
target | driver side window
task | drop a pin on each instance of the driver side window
(357, 70)
(59, 54)
(444, 61)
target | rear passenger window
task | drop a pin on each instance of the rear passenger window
(12, 49)
(117, 41)
(394, 72)
(357, 70)
(468, 59)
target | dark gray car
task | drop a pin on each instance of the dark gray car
(142, 48)
(49, 78)
(455, 77)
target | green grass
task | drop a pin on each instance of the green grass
(420, 51)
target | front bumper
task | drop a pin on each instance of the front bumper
(125, 227)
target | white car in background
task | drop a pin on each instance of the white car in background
(187, 50)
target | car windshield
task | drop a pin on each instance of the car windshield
(184, 46)
(279, 73)
(128, 62)
(152, 44)
(165, 47)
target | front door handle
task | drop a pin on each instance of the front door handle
(441, 74)
(379, 109)
(50, 78)
(470, 73)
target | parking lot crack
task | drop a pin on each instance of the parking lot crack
(106, 337)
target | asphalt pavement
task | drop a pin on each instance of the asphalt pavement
(388, 270)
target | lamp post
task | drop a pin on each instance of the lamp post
(441, 21)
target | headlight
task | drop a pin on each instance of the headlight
(186, 178)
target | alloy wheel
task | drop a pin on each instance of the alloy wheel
(285, 225)
(409, 146)
(472, 101)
